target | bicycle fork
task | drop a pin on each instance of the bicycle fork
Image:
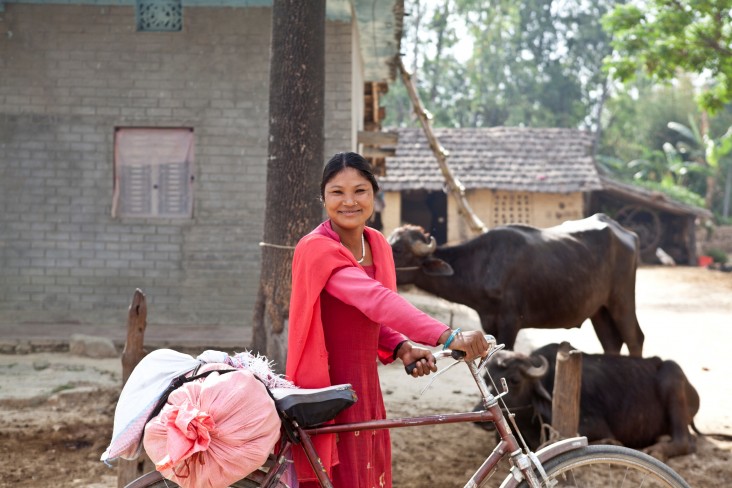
(524, 462)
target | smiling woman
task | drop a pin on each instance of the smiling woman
(348, 197)
(344, 313)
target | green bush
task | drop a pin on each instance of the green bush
(717, 255)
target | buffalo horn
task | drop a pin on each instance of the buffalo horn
(421, 249)
(537, 372)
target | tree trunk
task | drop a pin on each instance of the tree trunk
(295, 161)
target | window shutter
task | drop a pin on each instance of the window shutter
(135, 184)
(173, 189)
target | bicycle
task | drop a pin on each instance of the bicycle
(567, 463)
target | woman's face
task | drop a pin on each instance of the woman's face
(349, 199)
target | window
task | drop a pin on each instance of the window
(153, 173)
(159, 15)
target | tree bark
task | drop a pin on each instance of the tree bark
(294, 164)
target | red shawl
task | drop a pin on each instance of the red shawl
(317, 256)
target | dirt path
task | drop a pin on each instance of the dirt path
(56, 410)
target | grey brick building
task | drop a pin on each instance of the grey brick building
(76, 75)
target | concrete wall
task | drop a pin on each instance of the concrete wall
(69, 75)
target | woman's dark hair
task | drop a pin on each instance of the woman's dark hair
(343, 160)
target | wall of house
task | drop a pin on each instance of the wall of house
(392, 211)
(496, 208)
(69, 75)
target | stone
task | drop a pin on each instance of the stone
(92, 346)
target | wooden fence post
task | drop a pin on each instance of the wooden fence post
(567, 389)
(128, 470)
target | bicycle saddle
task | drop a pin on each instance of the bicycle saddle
(311, 407)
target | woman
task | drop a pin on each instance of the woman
(345, 312)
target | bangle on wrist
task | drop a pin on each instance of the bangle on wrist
(450, 339)
(396, 349)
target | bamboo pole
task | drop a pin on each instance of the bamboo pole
(455, 188)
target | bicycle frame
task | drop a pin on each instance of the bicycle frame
(523, 461)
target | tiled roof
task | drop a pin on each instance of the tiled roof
(499, 158)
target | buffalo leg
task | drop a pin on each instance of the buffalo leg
(681, 402)
(606, 331)
(625, 322)
(505, 330)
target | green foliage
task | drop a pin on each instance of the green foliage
(662, 37)
(717, 255)
(651, 173)
(480, 63)
(676, 192)
(635, 120)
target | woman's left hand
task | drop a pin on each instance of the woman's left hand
(425, 361)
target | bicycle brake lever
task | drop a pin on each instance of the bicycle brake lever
(485, 360)
(435, 377)
(453, 353)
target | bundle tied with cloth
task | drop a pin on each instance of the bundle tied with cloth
(205, 422)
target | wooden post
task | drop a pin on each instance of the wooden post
(567, 389)
(128, 470)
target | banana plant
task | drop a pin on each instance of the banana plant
(701, 153)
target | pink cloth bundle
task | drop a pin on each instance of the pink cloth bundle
(213, 431)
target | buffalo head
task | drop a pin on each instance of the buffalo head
(524, 375)
(414, 250)
(528, 398)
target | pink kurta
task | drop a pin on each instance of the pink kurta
(352, 340)
(348, 315)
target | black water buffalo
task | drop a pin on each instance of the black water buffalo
(516, 276)
(629, 400)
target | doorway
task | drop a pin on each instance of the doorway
(427, 209)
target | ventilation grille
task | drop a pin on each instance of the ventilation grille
(159, 15)
(512, 208)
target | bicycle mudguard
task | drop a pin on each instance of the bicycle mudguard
(544, 454)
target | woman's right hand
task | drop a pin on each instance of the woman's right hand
(472, 342)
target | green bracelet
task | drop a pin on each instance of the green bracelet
(452, 336)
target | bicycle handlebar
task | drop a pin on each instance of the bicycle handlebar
(453, 353)
(458, 355)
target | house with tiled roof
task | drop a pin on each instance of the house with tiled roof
(535, 176)
(510, 174)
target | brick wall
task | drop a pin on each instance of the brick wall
(70, 75)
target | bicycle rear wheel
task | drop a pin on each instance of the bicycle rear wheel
(604, 465)
(155, 480)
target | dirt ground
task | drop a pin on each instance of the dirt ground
(56, 410)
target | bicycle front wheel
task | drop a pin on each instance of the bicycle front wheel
(604, 465)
